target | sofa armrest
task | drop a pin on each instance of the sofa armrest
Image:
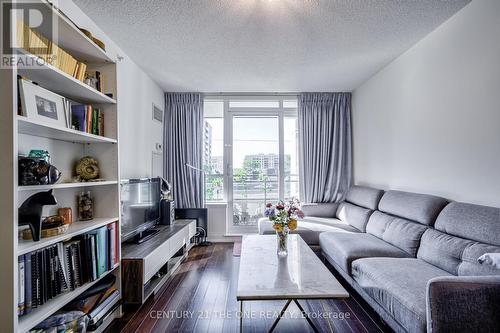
(463, 304)
(328, 209)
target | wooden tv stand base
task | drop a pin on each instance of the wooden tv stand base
(147, 266)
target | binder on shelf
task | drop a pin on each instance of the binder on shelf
(20, 289)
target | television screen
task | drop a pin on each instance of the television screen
(140, 205)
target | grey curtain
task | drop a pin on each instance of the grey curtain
(183, 135)
(325, 146)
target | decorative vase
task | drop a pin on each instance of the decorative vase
(282, 239)
(85, 206)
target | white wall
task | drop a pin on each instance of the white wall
(430, 121)
(136, 94)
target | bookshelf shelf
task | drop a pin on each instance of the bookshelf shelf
(55, 80)
(29, 127)
(66, 185)
(30, 320)
(73, 40)
(76, 228)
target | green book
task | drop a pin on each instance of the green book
(101, 240)
(95, 118)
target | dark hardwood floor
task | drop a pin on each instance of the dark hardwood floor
(200, 297)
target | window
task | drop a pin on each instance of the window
(251, 155)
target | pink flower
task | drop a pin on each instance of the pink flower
(280, 206)
(269, 205)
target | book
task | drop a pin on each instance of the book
(109, 299)
(78, 117)
(48, 272)
(95, 117)
(98, 78)
(35, 280)
(112, 240)
(64, 270)
(20, 289)
(93, 256)
(81, 71)
(101, 240)
(88, 118)
(28, 303)
(100, 123)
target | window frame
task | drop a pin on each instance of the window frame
(228, 113)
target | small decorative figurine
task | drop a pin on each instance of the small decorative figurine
(66, 213)
(87, 169)
(37, 171)
(30, 212)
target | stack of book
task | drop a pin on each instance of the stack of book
(65, 266)
(37, 44)
(88, 119)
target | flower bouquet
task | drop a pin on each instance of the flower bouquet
(284, 217)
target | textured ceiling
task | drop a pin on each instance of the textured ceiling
(266, 45)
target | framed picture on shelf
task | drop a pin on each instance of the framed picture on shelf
(41, 105)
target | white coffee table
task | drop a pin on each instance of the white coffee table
(301, 275)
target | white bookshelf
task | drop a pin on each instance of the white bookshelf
(54, 79)
(29, 127)
(51, 306)
(75, 229)
(66, 146)
(66, 185)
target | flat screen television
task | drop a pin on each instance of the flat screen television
(140, 206)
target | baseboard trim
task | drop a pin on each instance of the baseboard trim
(220, 238)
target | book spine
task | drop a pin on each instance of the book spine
(20, 285)
(95, 116)
(28, 302)
(94, 256)
(101, 123)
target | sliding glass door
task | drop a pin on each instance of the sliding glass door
(255, 167)
(250, 155)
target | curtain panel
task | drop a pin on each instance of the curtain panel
(325, 146)
(183, 136)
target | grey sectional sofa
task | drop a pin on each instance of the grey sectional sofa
(412, 257)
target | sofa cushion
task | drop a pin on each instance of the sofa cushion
(455, 255)
(344, 248)
(309, 231)
(421, 208)
(401, 233)
(364, 196)
(354, 215)
(399, 286)
(479, 223)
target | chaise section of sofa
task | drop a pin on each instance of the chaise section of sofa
(348, 216)
(400, 286)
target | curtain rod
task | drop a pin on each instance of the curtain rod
(219, 94)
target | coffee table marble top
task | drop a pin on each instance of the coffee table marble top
(300, 275)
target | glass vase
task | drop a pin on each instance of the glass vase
(282, 242)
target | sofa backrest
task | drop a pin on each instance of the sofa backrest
(422, 208)
(463, 232)
(403, 217)
(363, 196)
(359, 204)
